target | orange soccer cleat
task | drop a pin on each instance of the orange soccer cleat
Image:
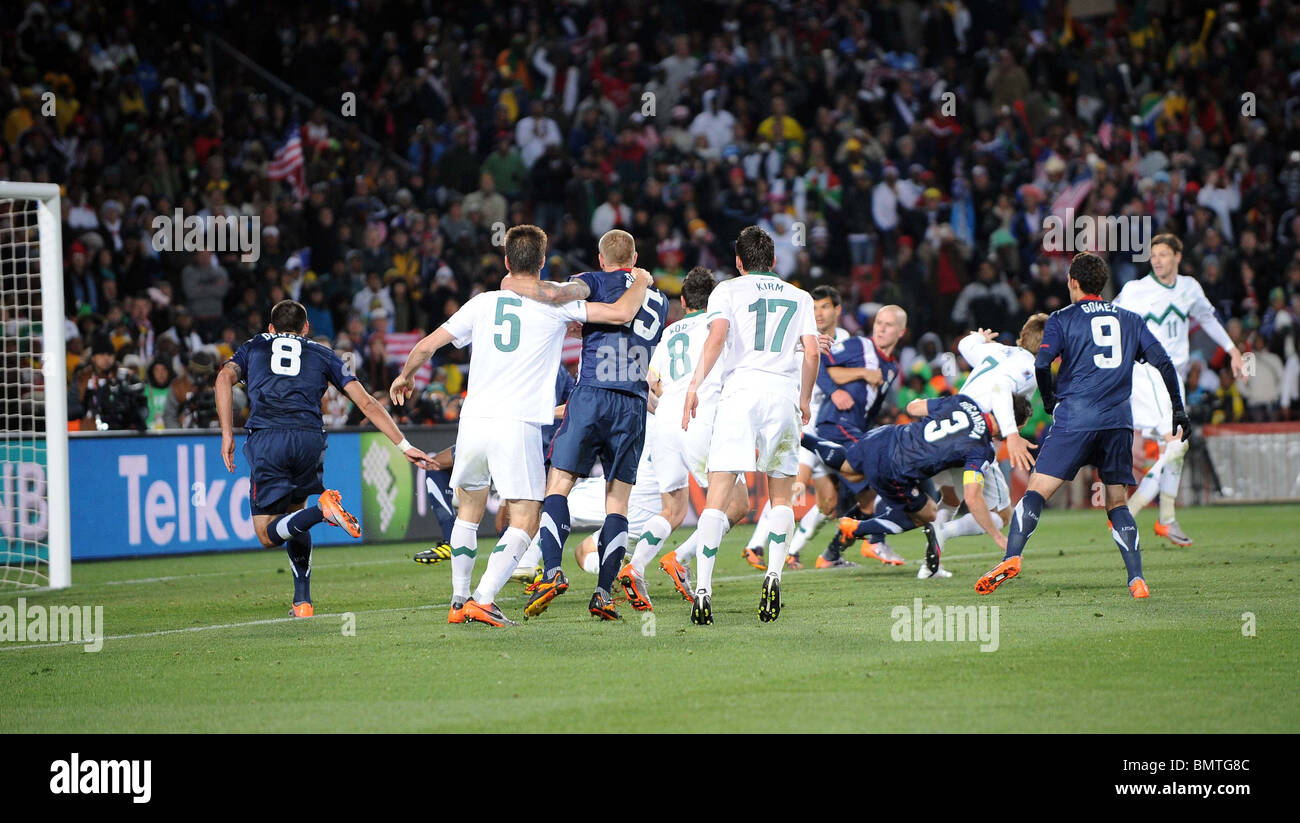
(1139, 589)
(331, 505)
(489, 614)
(679, 574)
(754, 557)
(635, 588)
(301, 610)
(999, 574)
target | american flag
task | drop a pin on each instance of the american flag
(287, 164)
(399, 345)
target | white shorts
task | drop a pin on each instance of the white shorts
(501, 452)
(997, 496)
(747, 421)
(678, 455)
(1152, 414)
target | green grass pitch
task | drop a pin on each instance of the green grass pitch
(201, 644)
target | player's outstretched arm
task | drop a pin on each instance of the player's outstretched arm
(547, 291)
(1203, 313)
(403, 385)
(812, 364)
(973, 489)
(224, 390)
(708, 359)
(918, 408)
(625, 309)
(378, 415)
(1155, 354)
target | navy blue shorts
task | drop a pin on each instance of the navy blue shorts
(873, 458)
(1062, 454)
(600, 424)
(286, 466)
(845, 437)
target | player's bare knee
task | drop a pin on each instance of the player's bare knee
(1116, 496)
(524, 514)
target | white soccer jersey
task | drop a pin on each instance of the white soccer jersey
(997, 373)
(766, 319)
(1168, 311)
(674, 361)
(516, 353)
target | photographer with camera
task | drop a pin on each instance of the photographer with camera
(111, 396)
(192, 402)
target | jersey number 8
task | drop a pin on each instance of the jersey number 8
(286, 356)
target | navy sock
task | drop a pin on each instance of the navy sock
(832, 454)
(297, 523)
(299, 549)
(555, 531)
(893, 520)
(610, 547)
(1125, 531)
(1023, 522)
(437, 485)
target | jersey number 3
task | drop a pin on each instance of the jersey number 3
(937, 430)
(1105, 333)
(286, 356)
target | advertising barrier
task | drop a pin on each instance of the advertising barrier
(157, 494)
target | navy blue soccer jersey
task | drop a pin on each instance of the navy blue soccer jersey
(618, 357)
(953, 435)
(855, 353)
(1098, 342)
(287, 375)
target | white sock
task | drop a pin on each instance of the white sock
(759, 537)
(1147, 488)
(654, 534)
(1171, 478)
(687, 550)
(781, 521)
(505, 556)
(464, 549)
(532, 556)
(808, 525)
(711, 528)
(591, 563)
(965, 526)
(943, 515)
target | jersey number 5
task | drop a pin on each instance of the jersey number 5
(1105, 333)
(650, 306)
(286, 356)
(510, 341)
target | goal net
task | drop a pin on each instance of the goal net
(35, 545)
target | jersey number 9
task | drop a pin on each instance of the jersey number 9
(1105, 333)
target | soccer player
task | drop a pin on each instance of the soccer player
(998, 375)
(677, 454)
(1092, 420)
(516, 352)
(897, 463)
(441, 495)
(766, 390)
(1168, 302)
(812, 471)
(287, 374)
(856, 376)
(605, 419)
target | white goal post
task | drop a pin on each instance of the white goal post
(35, 512)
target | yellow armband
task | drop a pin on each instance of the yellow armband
(972, 477)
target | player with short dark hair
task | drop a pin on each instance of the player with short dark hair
(1098, 342)
(287, 373)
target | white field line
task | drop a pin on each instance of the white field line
(274, 620)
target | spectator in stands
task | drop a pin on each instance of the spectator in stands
(205, 283)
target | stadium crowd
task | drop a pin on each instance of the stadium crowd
(904, 152)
